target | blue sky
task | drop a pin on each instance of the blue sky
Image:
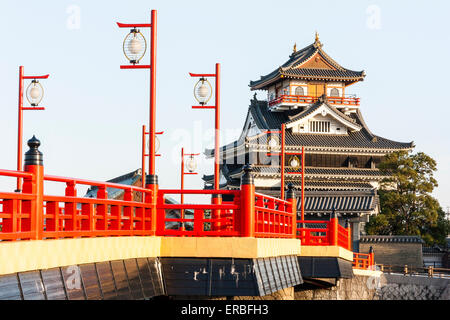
(94, 111)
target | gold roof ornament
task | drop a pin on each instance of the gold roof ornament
(317, 42)
(295, 48)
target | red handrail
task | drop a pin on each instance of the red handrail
(274, 217)
(312, 99)
(70, 216)
(363, 261)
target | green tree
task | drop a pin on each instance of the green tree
(407, 207)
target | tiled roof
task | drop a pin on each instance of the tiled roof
(341, 201)
(291, 69)
(396, 239)
(363, 138)
(113, 193)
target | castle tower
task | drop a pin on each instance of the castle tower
(308, 94)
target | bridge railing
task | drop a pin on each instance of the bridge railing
(363, 260)
(314, 232)
(15, 210)
(323, 233)
(247, 214)
(218, 218)
(274, 217)
(72, 216)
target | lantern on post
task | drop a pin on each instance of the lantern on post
(34, 93)
(134, 46)
(294, 162)
(203, 91)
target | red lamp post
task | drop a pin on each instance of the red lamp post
(144, 154)
(203, 100)
(283, 154)
(34, 96)
(203, 92)
(134, 48)
(191, 166)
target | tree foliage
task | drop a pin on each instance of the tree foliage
(407, 207)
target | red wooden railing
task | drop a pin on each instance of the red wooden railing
(198, 220)
(35, 215)
(314, 233)
(323, 233)
(70, 216)
(311, 99)
(270, 218)
(363, 261)
(274, 217)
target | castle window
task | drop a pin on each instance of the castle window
(299, 91)
(319, 126)
(334, 92)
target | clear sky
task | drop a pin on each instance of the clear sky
(94, 111)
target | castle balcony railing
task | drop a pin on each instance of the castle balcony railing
(292, 100)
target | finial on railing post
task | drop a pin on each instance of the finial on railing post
(247, 203)
(372, 258)
(34, 164)
(33, 156)
(349, 234)
(333, 228)
(247, 177)
(290, 196)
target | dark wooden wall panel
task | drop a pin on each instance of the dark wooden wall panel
(154, 265)
(146, 278)
(134, 279)
(53, 284)
(90, 281)
(121, 280)
(106, 279)
(73, 282)
(31, 284)
(9, 287)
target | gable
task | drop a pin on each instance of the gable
(322, 120)
(317, 61)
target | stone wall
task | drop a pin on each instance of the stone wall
(390, 253)
(380, 286)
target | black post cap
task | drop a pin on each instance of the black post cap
(247, 177)
(33, 156)
(290, 194)
(151, 179)
(333, 213)
(371, 249)
(347, 223)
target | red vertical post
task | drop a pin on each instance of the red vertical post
(290, 196)
(217, 127)
(34, 164)
(247, 203)
(152, 125)
(371, 258)
(217, 198)
(182, 175)
(349, 234)
(19, 128)
(152, 182)
(143, 160)
(182, 187)
(333, 229)
(283, 157)
(303, 186)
